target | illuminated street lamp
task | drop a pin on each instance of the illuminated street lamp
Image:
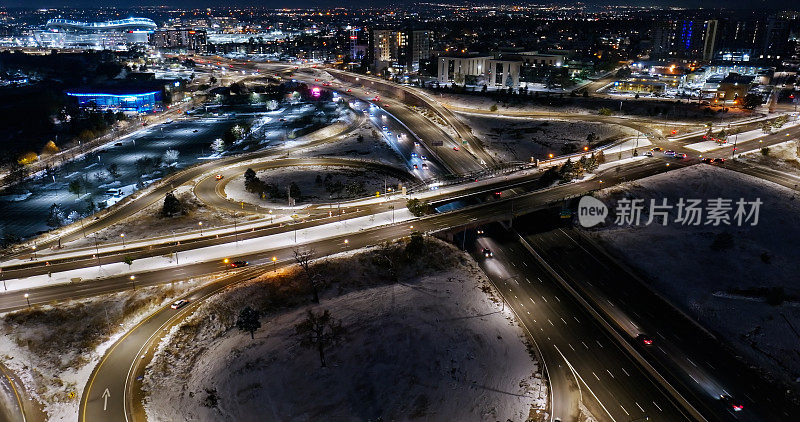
(274, 263)
(122, 235)
(133, 280)
(27, 299)
(200, 223)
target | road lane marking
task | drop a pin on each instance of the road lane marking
(623, 409)
(657, 406)
(609, 373)
(570, 346)
(584, 345)
(598, 343)
(551, 322)
(576, 319)
(640, 407)
(565, 321)
(595, 375)
(626, 372)
(545, 299)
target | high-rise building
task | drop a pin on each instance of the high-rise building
(190, 40)
(691, 39)
(399, 48)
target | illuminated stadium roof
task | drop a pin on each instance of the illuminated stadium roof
(122, 24)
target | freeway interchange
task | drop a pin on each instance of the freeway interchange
(576, 333)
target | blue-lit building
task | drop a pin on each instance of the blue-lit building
(117, 98)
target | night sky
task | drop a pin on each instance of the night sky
(731, 4)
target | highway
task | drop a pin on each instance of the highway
(583, 363)
(595, 371)
(495, 209)
(688, 355)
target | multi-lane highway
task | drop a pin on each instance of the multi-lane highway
(688, 355)
(584, 364)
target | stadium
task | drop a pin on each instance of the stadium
(109, 35)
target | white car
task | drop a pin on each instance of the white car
(648, 153)
(179, 304)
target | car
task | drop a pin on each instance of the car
(384, 127)
(487, 253)
(455, 148)
(349, 90)
(194, 131)
(219, 177)
(680, 155)
(238, 264)
(707, 160)
(424, 157)
(416, 167)
(669, 152)
(480, 231)
(731, 403)
(424, 166)
(179, 304)
(648, 153)
(413, 155)
(388, 132)
(645, 339)
(118, 144)
(656, 149)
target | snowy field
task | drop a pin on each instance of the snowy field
(372, 146)
(782, 157)
(317, 184)
(54, 349)
(740, 282)
(434, 346)
(519, 139)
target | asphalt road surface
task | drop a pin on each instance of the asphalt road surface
(583, 363)
(688, 355)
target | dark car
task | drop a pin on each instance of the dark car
(645, 339)
(237, 264)
(731, 403)
(487, 253)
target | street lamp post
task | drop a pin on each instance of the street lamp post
(274, 263)
(27, 299)
(122, 236)
(133, 280)
(200, 223)
(34, 252)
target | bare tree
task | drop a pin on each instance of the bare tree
(304, 259)
(389, 257)
(320, 331)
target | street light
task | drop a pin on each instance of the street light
(274, 263)
(27, 299)
(34, 252)
(133, 280)
(200, 223)
(122, 235)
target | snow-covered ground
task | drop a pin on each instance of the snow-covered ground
(54, 349)
(724, 281)
(373, 146)
(435, 346)
(312, 182)
(782, 157)
(519, 138)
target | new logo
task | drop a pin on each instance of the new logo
(591, 211)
